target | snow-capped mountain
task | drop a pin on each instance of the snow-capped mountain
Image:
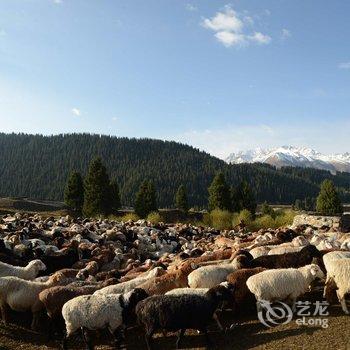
(293, 156)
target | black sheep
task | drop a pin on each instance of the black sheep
(295, 259)
(57, 262)
(7, 256)
(181, 312)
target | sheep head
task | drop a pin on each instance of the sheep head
(37, 265)
(316, 271)
(221, 292)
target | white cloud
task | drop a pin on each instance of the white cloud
(191, 7)
(285, 34)
(2, 32)
(76, 112)
(260, 38)
(57, 1)
(224, 21)
(344, 65)
(114, 119)
(230, 28)
(230, 39)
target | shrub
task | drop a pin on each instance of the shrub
(221, 219)
(265, 221)
(235, 219)
(207, 219)
(245, 216)
(154, 217)
(128, 217)
(285, 218)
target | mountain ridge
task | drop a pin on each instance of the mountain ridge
(37, 167)
(293, 156)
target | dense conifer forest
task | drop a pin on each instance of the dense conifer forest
(38, 166)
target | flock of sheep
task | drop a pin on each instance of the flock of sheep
(88, 275)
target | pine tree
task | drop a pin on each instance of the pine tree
(328, 201)
(247, 197)
(151, 197)
(181, 199)
(115, 196)
(219, 193)
(146, 200)
(236, 200)
(97, 199)
(74, 192)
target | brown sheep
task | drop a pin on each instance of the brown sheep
(101, 276)
(55, 297)
(241, 294)
(162, 284)
(191, 263)
(296, 259)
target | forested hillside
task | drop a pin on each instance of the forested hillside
(37, 166)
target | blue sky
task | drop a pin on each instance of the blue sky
(222, 76)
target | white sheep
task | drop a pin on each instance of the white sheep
(260, 251)
(28, 272)
(327, 259)
(212, 275)
(187, 291)
(127, 286)
(281, 284)
(288, 247)
(339, 272)
(21, 295)
(285, 249)
(94, 312)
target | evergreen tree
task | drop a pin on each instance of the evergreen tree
(145, 201)
(219, 193)
(247, 197)
(151, 197)
(328, 201)
(74, 192)
(115, 196)
(97, 199)
(181, 199)
(236, 199)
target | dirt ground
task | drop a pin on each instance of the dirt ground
(250, 334)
